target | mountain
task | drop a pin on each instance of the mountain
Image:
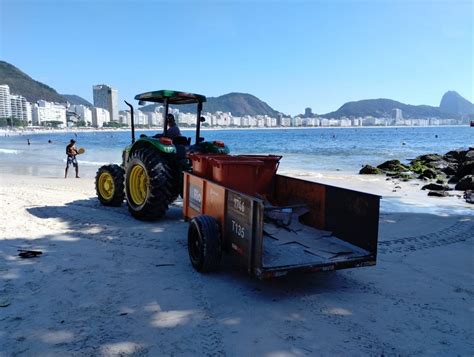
(383, 108)
(454, 103)
(76, 100)
(22, 84)
(239, 104)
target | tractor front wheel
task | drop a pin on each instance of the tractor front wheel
(204, 243)
(109, 185)
(148, 185)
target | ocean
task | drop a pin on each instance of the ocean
(304, 151)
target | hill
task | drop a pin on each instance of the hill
(76, 100)
(239, 104)
(22, 84)
(452, 102)
(380, 108)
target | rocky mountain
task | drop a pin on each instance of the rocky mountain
(76, 100)
(452, 102)
(380, 108)
(239, 104)
(452, 106)
(22, 84)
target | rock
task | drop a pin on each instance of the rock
(465, 183)
(438, 194)
(469, 156)
(450, 169)
(435, 187)
(438, 165)
(466, 168)
(369, 170)
(453, 180)
(469, 196)
(455, 155)
(393, 165)
(429, 158)
(429, 173)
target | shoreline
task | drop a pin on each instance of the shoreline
(12, 132)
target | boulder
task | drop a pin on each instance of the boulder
(450, 169)
(465, 183)
(453, 180)
(466, 168)
(393, 165)
(469, 196)
(438, 194)
(469, 156)
(435, 187)
(429, 173)
(429, 158)
(455, 155)
(369, 170)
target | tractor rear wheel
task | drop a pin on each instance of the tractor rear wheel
(148, 185)
(204, 243)
(109, 185)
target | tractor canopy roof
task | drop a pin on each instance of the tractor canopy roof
(174, 97)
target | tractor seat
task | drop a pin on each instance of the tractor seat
(181, 140)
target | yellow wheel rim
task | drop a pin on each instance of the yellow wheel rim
(106, 185)
(138, 184)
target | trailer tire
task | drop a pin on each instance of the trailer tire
(148, 185)
(204, 243)
(109, 185)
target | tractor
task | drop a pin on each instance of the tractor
(151, 174)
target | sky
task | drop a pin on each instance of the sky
(290, 54)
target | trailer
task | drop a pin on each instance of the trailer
(299, 226)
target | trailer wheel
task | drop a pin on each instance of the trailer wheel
(109, 185)
(204, 243)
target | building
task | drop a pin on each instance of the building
(20, 108)
(5, 104)
(83, 113)
(106, 97)
(99, 117)
(397, 114)
(308, 113)
(44, 112)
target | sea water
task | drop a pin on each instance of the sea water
(304, 151)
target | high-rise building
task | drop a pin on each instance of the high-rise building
(5, 103)
(19, 108)
(397, 114)
(308, 113)
(106, 97)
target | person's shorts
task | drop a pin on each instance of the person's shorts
(71, 160)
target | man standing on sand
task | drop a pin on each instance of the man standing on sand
(71, 152)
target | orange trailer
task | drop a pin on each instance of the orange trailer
(299, 226)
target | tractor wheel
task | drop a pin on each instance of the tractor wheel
(148, 185)
(204, 243)
(109, 185)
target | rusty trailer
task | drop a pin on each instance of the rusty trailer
(299, 226)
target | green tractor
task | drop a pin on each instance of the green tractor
(151, 174)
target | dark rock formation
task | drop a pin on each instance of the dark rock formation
(438, 194)
(370, 170)
(465, 183)
(435, 187)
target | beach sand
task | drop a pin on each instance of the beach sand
(110, 285)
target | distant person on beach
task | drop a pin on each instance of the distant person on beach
(71, 152)
(173, 130)
(50, 142)
(28, 141)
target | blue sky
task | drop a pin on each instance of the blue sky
(291, 54)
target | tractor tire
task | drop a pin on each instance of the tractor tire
(109, 185)
(204, 243)
(148, 185)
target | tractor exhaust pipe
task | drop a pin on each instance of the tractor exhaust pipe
(131, 119)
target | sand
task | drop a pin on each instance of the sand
(109, 285)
